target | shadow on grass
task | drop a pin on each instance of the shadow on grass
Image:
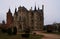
(6, 36)
(58, 33)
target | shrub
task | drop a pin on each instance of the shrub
(9, 31)
(4, 30)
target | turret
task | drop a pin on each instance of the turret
(35, 8)
(43, 14)
(9, 17)
(9, 11)
(43, 7)
(38, 7)
(15, 13)
(15, 10)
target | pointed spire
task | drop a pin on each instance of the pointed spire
(15, 11)
(31, 9)
(43, 7)
(35, 7)
(38, 7)
(9, 10)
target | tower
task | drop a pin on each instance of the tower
(43, 7)
(9, 17)
(42, 16)
(15, 14)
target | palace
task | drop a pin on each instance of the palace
(23, 18)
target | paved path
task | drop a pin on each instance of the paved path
(49, 36)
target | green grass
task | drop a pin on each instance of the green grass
(6, 36)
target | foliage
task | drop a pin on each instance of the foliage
(9, 31)
(4, 30)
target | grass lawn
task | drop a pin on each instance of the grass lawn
(6, 36)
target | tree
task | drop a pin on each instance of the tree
(3, 22)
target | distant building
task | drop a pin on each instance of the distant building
(55, 27)
(23, 18)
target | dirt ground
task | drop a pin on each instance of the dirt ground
(49, 36)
